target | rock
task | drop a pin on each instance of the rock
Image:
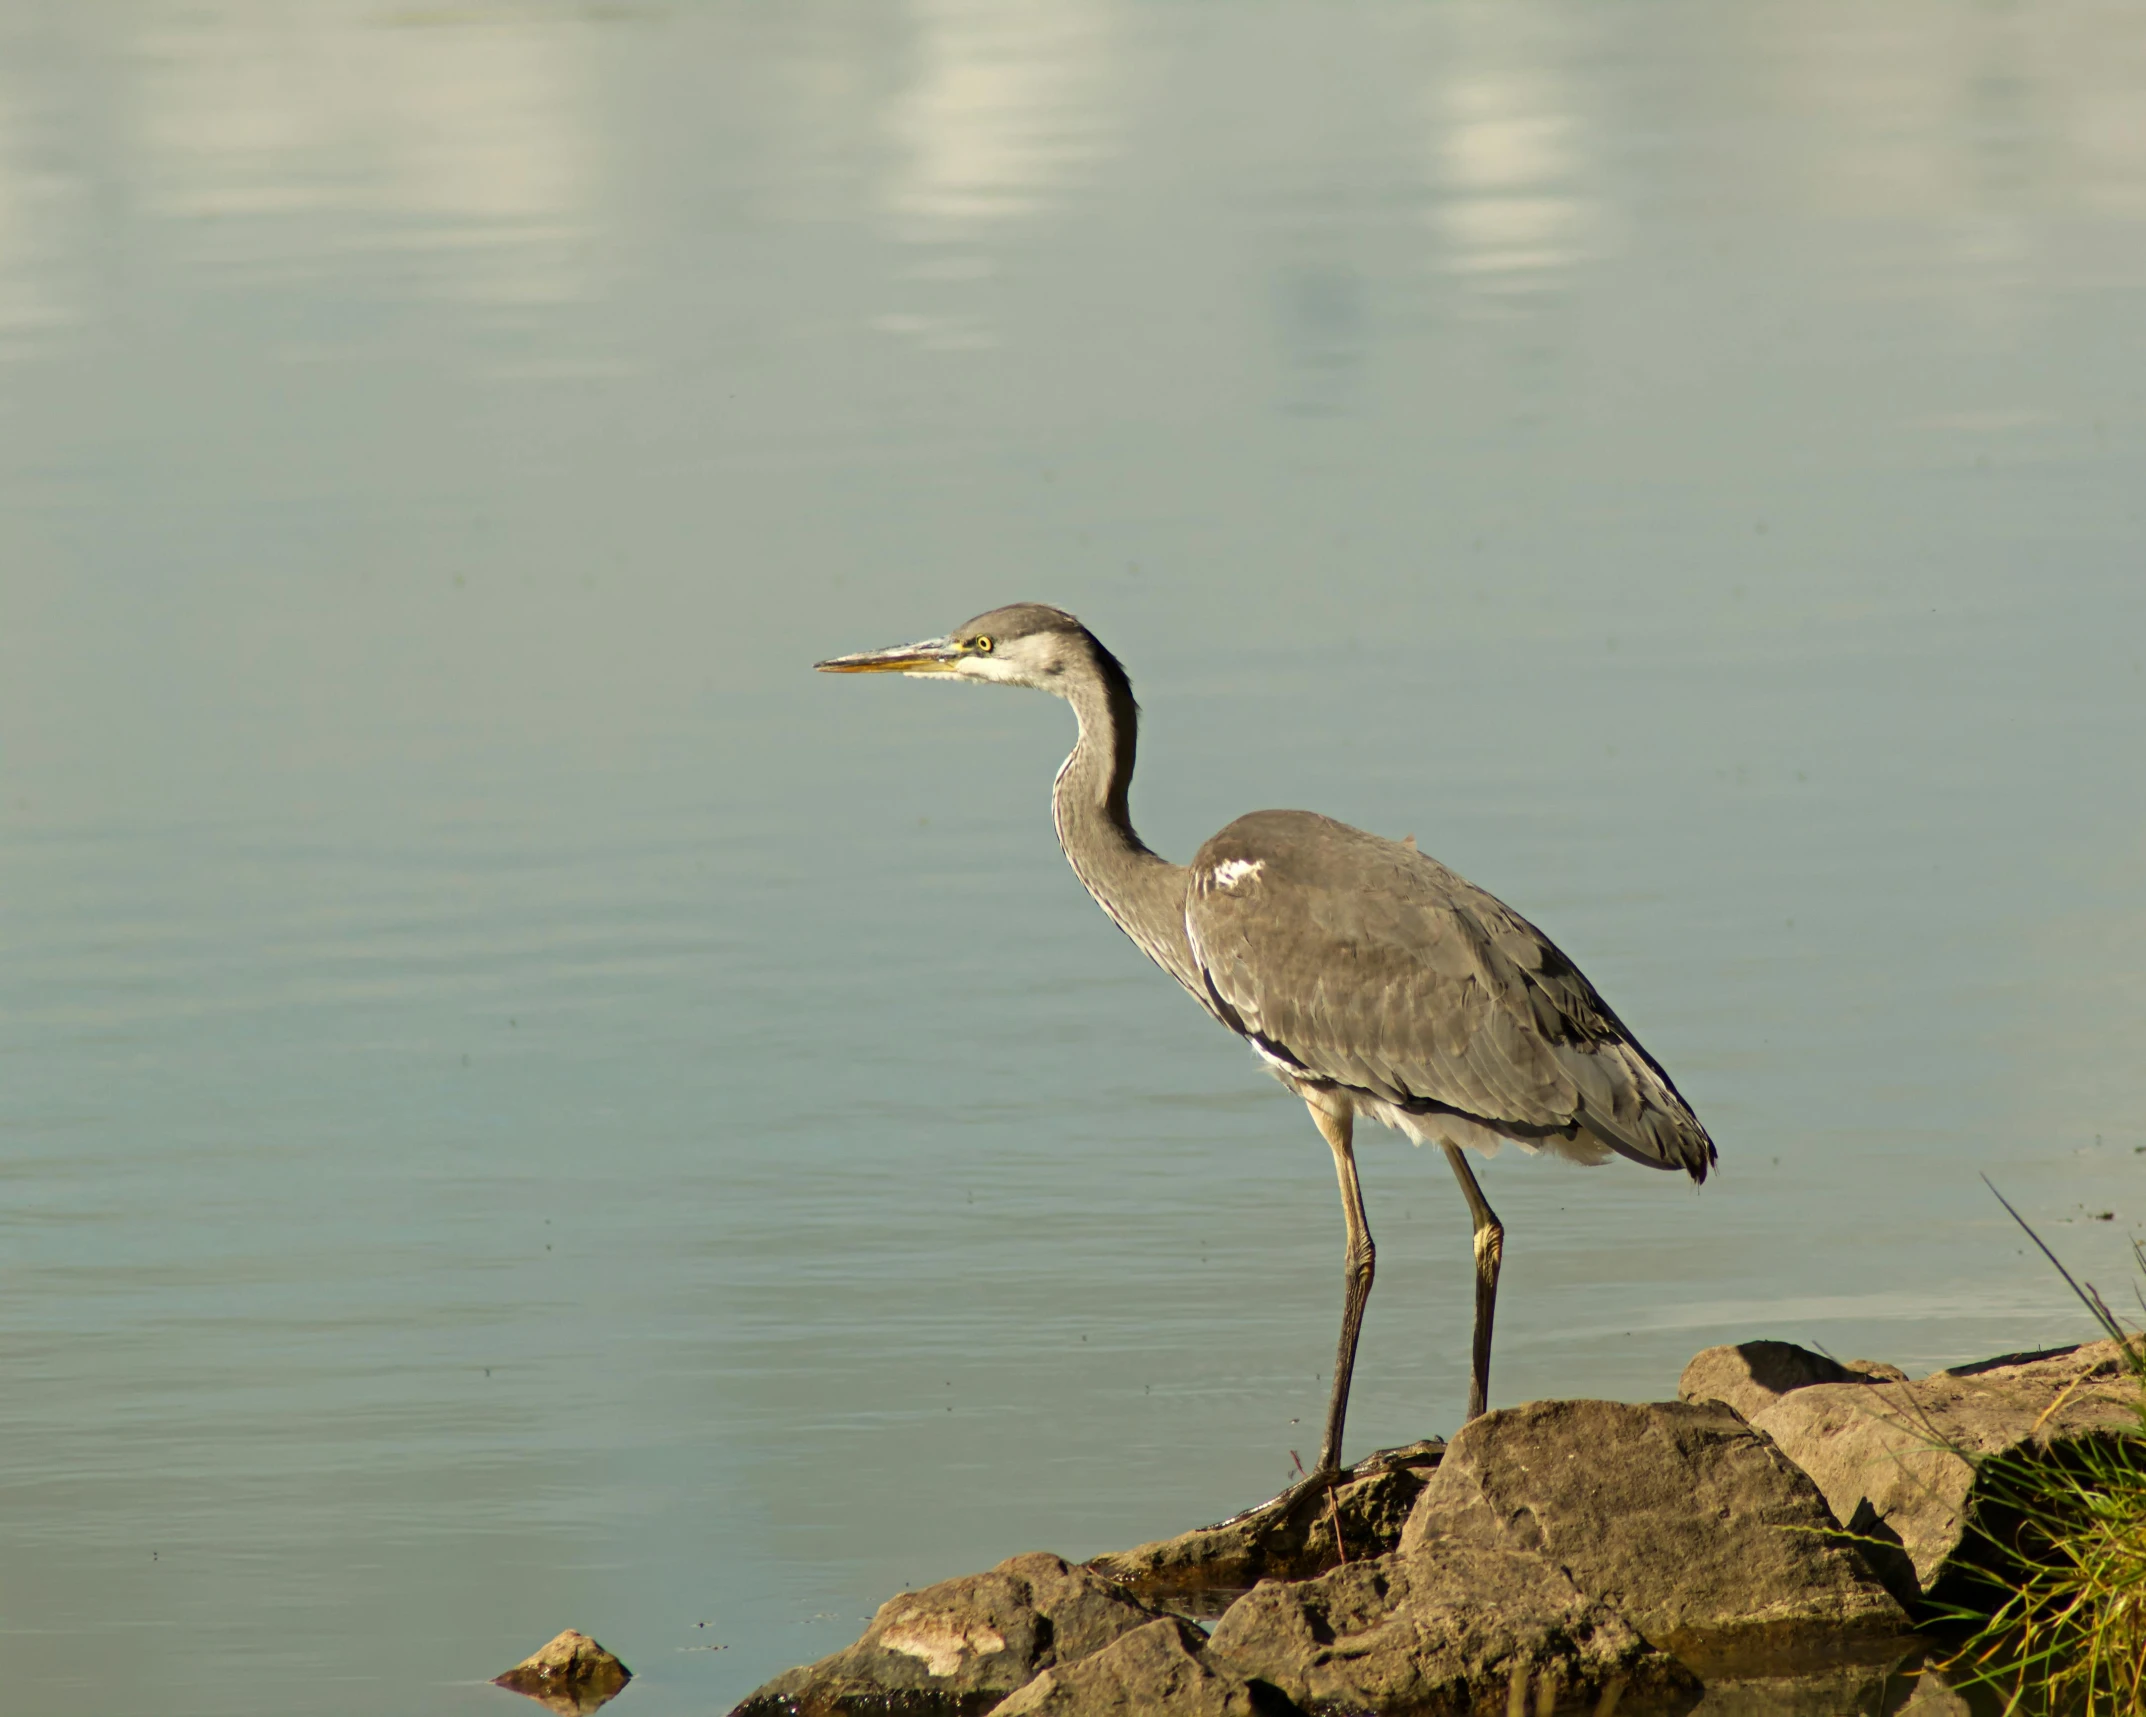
(1158, 1668)
(1680, 1516)
(1902, 1462)
(1458, 1629)
(1898, 1462)
(1753, 1375)
(961, 1646)
(571, 1675)
(1934, 1696)
(1563, 1551)
(1897, 1465)
(1204, 1569)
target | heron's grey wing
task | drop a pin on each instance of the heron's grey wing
(1364, 962)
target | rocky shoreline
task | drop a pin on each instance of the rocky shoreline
(1767, 1542)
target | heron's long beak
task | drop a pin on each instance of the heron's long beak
(932, 656)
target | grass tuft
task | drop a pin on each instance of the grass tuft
(2067, 1539)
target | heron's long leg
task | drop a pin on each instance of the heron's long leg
(1362, 1263)
(1489, 1253)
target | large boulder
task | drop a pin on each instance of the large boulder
(1469, 1629)
(1679, 1515)
(1152, 1670)
(1205, 1569)
(958, 1648)
(1904, 1464)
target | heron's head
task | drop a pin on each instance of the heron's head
(1026, 644)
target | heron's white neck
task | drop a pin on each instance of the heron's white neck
(1091, 805)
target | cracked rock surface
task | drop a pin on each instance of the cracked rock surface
(1449, 1629)
(1161, 1667)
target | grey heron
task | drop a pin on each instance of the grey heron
(1371, 980)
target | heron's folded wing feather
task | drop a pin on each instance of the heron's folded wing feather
(1375, 974)
(1372, 965)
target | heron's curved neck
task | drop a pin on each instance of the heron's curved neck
(1142, 891)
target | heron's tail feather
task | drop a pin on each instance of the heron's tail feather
(1659, 1141)
(1629, 1104)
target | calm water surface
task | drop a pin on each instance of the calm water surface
(523, 1107)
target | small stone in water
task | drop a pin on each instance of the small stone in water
(571, 1675)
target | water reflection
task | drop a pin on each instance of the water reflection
(1911, 1688)
(40, 204)
(1006, 104)
(466, 138)
(1321, 310)
(1508, 154)
(1949, 112)
(564, 1702)
(1005, 109)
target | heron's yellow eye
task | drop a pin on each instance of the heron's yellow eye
(982, 646)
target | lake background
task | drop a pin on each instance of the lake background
(522, 1107)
